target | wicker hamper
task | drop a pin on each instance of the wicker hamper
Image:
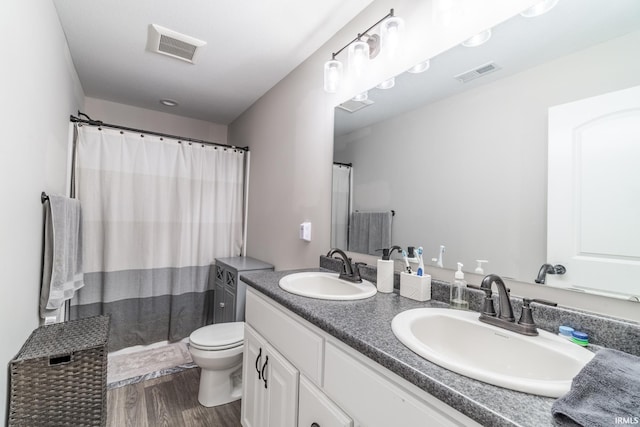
(59, 376)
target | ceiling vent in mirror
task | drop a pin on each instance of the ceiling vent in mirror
(171, 43)
(480, 71)
(353, 106)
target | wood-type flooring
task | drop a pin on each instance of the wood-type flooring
(168, 401)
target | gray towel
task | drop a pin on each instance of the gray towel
(605, 392)
(370, 231)
(62, 270)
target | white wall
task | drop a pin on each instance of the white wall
(290, 129)
(40, 90)
(157, 121)
(478, 161)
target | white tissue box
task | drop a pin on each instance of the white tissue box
(415, 287)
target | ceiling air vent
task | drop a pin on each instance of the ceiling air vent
(353, 106)
(480, 71)
(173, 44)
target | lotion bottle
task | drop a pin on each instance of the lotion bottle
(458, 298)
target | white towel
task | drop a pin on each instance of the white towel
(62, 265)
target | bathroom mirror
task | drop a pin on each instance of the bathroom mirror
(464, 165)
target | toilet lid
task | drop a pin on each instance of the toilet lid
(218, 336)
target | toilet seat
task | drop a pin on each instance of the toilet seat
(220, 336)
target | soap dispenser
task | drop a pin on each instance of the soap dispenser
(458, 298)
(384, 279)
(479, 269)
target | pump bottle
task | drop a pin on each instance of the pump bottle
(385, 270)
(458, 298)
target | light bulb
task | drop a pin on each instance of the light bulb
(332, 75)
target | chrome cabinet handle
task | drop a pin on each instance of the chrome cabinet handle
(264, 377)
(258, 363)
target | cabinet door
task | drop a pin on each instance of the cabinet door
(230, 278)
(229, 305)
(218, 303)
(253, 391)
(317, 410)
(281, 380)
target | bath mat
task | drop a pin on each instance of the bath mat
(124, 369)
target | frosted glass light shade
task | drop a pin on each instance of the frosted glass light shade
(387, 84)
(361, 96)
(390, 30)
(480, 38)
(420, 67)
(540, 8)
(332, 75)
(358, 57)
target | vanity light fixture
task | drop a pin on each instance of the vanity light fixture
(363, 48)
(420, 67)
(479, 39)
(540, 8)
(387, 84)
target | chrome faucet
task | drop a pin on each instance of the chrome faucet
(504, 319)
(549, 269)
(348, 273)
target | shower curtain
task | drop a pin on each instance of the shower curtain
(340, 206)
(156, 213)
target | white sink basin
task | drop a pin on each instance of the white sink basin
(326, 286)
(457, 340)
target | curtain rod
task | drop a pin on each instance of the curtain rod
(89, 121)
(343, 164)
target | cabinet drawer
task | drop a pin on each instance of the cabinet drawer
(372, 399)
(317, 409)
(302, 347)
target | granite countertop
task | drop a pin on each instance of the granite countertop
(365, 325)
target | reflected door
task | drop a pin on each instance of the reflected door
(594, 192)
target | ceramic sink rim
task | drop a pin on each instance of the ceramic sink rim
(559, 350)
(327, 286)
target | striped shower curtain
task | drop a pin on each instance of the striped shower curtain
(156, 213)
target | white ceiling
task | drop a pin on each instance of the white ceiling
(516, 45)
(251, 46)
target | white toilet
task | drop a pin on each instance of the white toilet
(217, 350)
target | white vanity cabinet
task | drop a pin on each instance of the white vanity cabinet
(315, 409)
(270, 385)
(335, 386)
